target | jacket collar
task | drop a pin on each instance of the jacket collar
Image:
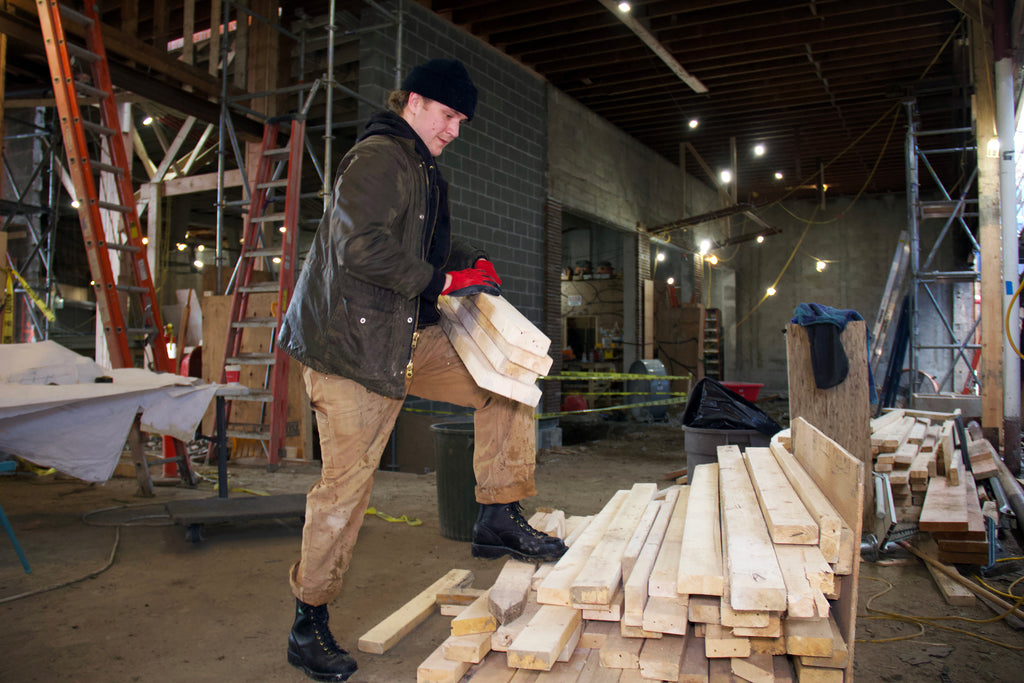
(390, 123)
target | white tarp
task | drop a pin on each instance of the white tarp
(53, 414)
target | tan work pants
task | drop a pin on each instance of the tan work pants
(355, 424)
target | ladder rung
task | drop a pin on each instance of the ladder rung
(110, 206)
(82, 53)
(251, 359)
(98, 128)
(256, 322)
(88, 90)
(122, 247)
(132, 289)
(256, 396)
(141, 331)
(269, 218)
(108, 168)
(260, 287)
(278, 152)
(283, 182)
(263, 251)
(247, 434)
(76, 16)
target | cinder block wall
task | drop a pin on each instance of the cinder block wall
(496, 168)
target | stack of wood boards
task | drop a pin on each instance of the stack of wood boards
(931, 483)
(503, 351)
(747, 573)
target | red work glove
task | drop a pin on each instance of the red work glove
(488, 267)
(471, 281)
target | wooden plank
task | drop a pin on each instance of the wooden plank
(393, 628)
(595, 672)
(639, 538)
(801, 600)
(818, 505)
(843, 412)
(666, 615)
(810, 674)
(772, 630)
(720, 643)
(768, 646)
(475, 619)
(661, 659)
(665, 573)
(507, 359)
(538, 645)
(705, 609)
(437, 669)
(619, 652)
(502, 638)
(507, 597)
(599, 578)
(481, 369)
(635, 590)
(953, 592)
(755, 668)
(595, 633)
(840, 653)
(701, 569)
(755, 580)
(493, 669)
(470, 648)
(983, 459)
(609, 612)
(808, 637)
(510, 324)
(945, 506)
(785, 514)
(568, 671)
(694, 667)
(555, 588)
(732, 618)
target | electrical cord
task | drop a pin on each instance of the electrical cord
(108, 565)
(921, 622)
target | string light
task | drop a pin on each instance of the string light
(820, 265)
(713, 260)
(671, 281)
(725, 175)
(705, 246)
(693, 123)
(770, 291)
(760, 239)
(148, 121)
(759, 150)
(625, 7)
(661, 256)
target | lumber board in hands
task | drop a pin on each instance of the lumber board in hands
(394, 627)
(510, 324)
(482, 371)
(701, 569)
(755, 580)
(504, 355)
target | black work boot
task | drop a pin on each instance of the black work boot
(501, 530)
(312, 648)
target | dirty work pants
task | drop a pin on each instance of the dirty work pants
(355, 424)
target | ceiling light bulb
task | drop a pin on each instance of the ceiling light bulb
(705, 247)
(713, 260)
(283, 229)
(820, 265)
(725, 175)
(75, 203)
(778, 175)
(145, 240)
(770, 291)
(181, 246)
(148, 121)
(625, 7)
(760, 239)
(671, 281)
(200, 247)
(693, 123)
(759, 150)
(198, 263)
(276, 259)
(661, 256)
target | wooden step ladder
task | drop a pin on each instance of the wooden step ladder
(128, 306)
(271, 237)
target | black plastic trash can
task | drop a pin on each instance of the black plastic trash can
(456, 497)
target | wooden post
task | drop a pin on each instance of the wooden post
(842, 412)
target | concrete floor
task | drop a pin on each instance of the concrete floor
(173, 611)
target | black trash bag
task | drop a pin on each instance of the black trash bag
(711, 405)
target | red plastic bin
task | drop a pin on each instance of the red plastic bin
(748, 390)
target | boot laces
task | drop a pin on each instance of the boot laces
(322, 631)
(515, 512)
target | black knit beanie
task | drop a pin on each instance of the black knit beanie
(445, 81)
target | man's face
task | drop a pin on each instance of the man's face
(435, 123)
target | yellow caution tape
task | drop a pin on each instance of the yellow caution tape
(628, 406)
(7, 322)
(35, 297)
(36, 469)
(611, 375)
(388, 518)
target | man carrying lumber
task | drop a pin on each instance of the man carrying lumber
(364, 322)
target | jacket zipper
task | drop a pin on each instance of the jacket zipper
(423, 255)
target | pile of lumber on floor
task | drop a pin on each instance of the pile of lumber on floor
(932, 484)
(503, 351)
(737, 576)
